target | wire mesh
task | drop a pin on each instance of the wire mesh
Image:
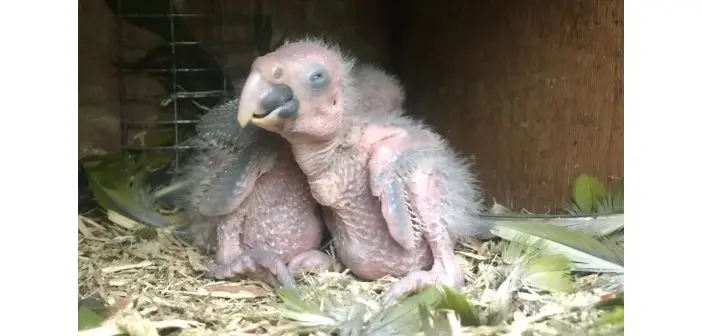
(191, 80)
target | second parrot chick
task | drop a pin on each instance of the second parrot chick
(380, 91)
(248, 201)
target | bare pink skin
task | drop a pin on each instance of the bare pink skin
(279, 216)
(396, 197)
(250, 203)
(269, 218)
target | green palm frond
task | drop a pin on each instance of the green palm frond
(551, 273)
(121, 190)
(585, 252)
(403, 318)
(435, 306)
(592, 210)
(589, 197)
(439, 322)
(318, 311)
(613, 320)
(545, 272)
(528, 266)
(454, 301)
(593, 225)
(87, 318)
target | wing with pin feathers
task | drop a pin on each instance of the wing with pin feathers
(227, 160)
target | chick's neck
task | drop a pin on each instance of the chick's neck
(315, 157)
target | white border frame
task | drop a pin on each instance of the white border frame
(40, 137)
(662, 76)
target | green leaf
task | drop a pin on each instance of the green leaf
(453, 300)
(405, 317)
(511, 251)
(619, 188)
(593, 225)
(100, 161)
(617, 301)
(617, 195)
(426, 317)
(585, 252)
(529, 266)
(301, 312)
(587, 191)
(146, 233)
(294, 302)
(402, 318)
(112, 191)
(158, 137)
(551, 272)
(94, 304)
(616, 316)
(87, 318)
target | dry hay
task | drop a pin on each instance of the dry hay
(159, 283)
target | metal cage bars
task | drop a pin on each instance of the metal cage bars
(175, 94)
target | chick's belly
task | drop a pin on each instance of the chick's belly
(369, 251)
(285, 231)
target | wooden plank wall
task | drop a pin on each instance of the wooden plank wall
(532, 88)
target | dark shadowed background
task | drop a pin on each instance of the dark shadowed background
(533, 88)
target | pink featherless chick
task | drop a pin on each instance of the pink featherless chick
(247, 200)
(396, 197)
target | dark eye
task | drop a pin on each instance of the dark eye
(318, 78)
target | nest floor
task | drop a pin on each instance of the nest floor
(154, 284)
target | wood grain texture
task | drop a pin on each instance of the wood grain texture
(534, 89)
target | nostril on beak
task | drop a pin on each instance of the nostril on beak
(275, 97)
(278, 73)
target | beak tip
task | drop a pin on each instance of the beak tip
(243, 122)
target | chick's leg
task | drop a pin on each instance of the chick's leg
(233, 262)
(419, 215)
(269, 267)
(258, 264)
(228, 238)
(310, 262)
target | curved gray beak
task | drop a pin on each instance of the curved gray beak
(263, 104)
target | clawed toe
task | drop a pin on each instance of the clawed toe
(217, 271)
(310, 262)
(413, 282)
(254, 264)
